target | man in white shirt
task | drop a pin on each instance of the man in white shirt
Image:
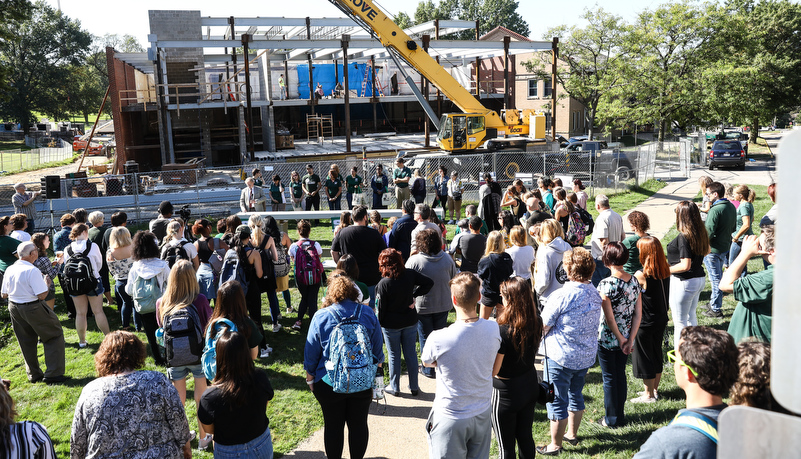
(32, 319)
(608, 228)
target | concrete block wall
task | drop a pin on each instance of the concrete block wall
(180, 25)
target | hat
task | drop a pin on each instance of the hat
(242, 230)
(578, 183)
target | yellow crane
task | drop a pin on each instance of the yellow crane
(456, 131)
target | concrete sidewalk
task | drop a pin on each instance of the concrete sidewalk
(660, 207)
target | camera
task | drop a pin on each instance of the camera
(185, 212)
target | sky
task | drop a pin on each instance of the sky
(101, 18)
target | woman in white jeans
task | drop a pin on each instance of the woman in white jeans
(686, 254)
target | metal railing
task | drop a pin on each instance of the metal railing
(16, 160)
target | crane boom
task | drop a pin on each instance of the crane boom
(375, 21)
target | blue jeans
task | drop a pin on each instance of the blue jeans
(371, 291)
(207, 282)
(601, 272)
(714, 267)
(349, 199)
(259, 448)
(127, 306)
(734, 252)
(272, 297)
(336, 204)
(426, 323)
(568, 385)
(613, 369)
(397, 340)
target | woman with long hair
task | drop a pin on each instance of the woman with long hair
(507, 221)
(120, 259)
(251, 261)
(549, 272)
(347, 263)
(345, 221)
(308, 293)
(232, 222)
(234, 407)
(333, 188)
(563, 208)
(493, 268)
(282, 245)
(375, 223)
(21, 440)
(93, 299)
(622, 307)
(8, 245)
(513, 197)
(175, 238)
(581, 195)
(266, 244)
(395, 301)
(640, 224)
(646, 355)
(207, 247)
(340, 409)
(745, 218)
(686, 254)
(522, 254)
(230, 305)
(146, 266)
(515, 384)
(126, 411)
(183, 292)
(46, 267)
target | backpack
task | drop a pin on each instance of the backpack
(209, 358)
(264, 282)
(175, 253)
(232, 269)
(350, 366)
(183, 337)
(308, 267)
(215, 259)
(586, 217)
(145, 294)
(698, 422)
(576, 232)
(78, 272)
(281, 266)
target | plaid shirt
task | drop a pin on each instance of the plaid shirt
(18, 200)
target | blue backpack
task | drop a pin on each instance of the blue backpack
(350, 366)
(209, 358)
(145, 292)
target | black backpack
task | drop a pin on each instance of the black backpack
(267, 267)
(183, 337)
(175, 253)
(78, 272)
(586, 217)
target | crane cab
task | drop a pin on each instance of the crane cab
(462, 131)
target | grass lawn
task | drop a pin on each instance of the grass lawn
(294, 413)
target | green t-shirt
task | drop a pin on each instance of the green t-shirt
(746, 209)
(633, 265)
(297, 189)
(8, 245)
(354, 184)
(333, 186)
(752, 316)
(484, 230)
(312, 182)
(721, 221)
(275, 192)
(401, 173)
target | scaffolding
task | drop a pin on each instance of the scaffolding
(319, 127)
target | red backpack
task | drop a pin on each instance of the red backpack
(308, 267)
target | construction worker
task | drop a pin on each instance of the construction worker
(282, 86)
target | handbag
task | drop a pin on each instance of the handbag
(215, 260)
(547, 392)
(358, 199)
(386, 199)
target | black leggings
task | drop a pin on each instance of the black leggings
(308, 300)
(253, 301)
(513, 402)
(341, 409)
(151, 325)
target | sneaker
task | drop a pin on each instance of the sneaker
(265, 352)
(290, 311)
(296, 326)
(277, 328)
(81, 345)
(642, 394)
(713, 314)
(193, 434)
(204, 443)
(643, 399)
(279, 317)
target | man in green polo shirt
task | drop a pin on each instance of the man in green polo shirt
(754, 292)
(354, 184)
(400, 177)
(311, 186)
(721, 222)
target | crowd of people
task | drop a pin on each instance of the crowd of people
(516, 273)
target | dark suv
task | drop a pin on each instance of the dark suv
(727, 153)
(586, 159)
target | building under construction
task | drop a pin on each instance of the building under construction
(229, 90)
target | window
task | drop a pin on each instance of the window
(475, 124)
(548, 92)
(532, 89)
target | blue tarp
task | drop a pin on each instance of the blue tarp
(326, 75)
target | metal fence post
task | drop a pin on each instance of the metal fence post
(197, 189)
(136, 197)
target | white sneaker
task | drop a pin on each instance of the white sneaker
(264, 353)
(290, 311)
(203, 443)
(277, 328)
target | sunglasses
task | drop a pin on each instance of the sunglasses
(671, 355)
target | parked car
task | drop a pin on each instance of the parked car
(727, 153)
(578, 138)
(587, 159)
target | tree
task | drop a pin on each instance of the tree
(758, 72)
(403, 20)
(39, 60)
(588, 57)
(489, 13)
(666, 51)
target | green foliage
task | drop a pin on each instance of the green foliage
(39, 60)
(589, 60)
(12, 12)
(489, 13)
(403, 20)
